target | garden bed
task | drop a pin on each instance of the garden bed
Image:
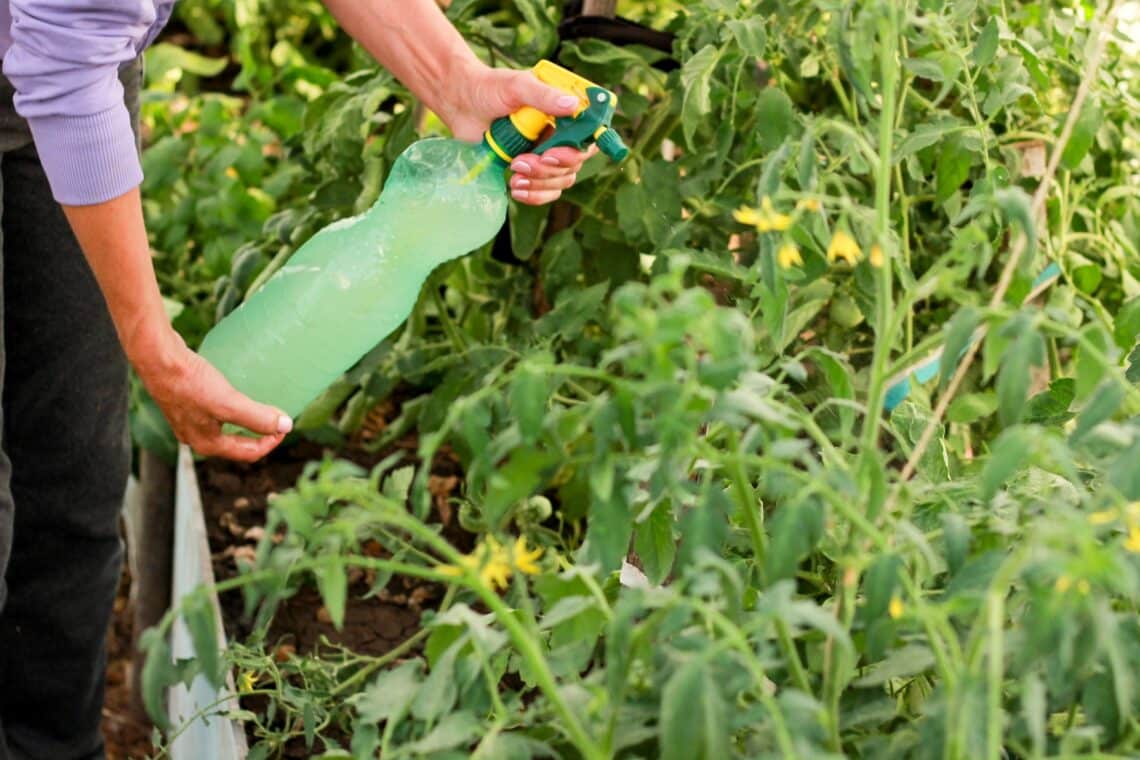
(235, 499)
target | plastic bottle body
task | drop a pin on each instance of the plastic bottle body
(355, 282)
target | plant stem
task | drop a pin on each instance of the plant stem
(995, 615)
(750, 507)
(531, 654)
(756, 669)
(884, 313)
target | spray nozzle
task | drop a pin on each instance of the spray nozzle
(521, 132)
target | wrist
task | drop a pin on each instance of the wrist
(463, 75)
(153, 347)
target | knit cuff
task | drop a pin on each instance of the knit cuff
(88, 159)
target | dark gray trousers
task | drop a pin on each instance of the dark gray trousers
(63, 465)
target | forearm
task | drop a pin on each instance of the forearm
(113, 238)
(412, 39)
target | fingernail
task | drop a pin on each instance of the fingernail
(284, 424)
(520, 182)
(551, 161)
(522, 167)
(566, 101)
(522, 195)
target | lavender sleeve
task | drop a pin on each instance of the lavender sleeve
(63, 62)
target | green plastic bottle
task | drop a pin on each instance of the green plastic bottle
(354, 282)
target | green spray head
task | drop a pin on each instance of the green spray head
(521, 132)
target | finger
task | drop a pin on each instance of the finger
(536, 197)
(238, 409)
(551, 183)
(567, 157)
(562, 178)
(524, 89)
(239, 448)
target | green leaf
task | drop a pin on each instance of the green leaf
(1026, 351)
(952, 169)
(1103, 404)
(440, 690)
(655, 545)
(1089, 369)
(1133, 371)
(959, 334)
(956, 535)
(1127, 324)
(775, 112)
(158, 674)
(751, 34)
(608, 533)
(879, 584)
(696, 77)
(199, 616)
(987, 45)
(1051, 407)
(309, 723)
(971, 407)
(794, 530)
(694, 719)
(925, 135)
(528, 396)
(527, 224)
(332, 581)
(1009, 452)
(454, 730)
(545, 28)
(704, 526)
(910, 660)
(1017, 207)
(1084, 132)
(166, 64)
(390, 694)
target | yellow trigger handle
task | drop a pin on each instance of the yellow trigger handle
(530, 122)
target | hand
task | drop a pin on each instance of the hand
(197, 400)
(485, 94)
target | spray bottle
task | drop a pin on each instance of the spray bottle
(355, 281)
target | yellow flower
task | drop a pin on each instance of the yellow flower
(843, 246)
(489, 560)
(811, 205)
(876, 258)
(1134, 510)
(1083, 587)
(1103, 517)
(246, 682)
(1063, 584)
(895, 609)
(789, 256)
(1132, 543)
(766, 219)
(746, 215)
(524, 560)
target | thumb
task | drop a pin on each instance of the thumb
(237, 409)
(527, 90)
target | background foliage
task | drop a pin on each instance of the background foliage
(640, 374)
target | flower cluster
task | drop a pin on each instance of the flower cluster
(768, 219)
(494, 563)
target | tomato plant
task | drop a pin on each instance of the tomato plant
(709, 524)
